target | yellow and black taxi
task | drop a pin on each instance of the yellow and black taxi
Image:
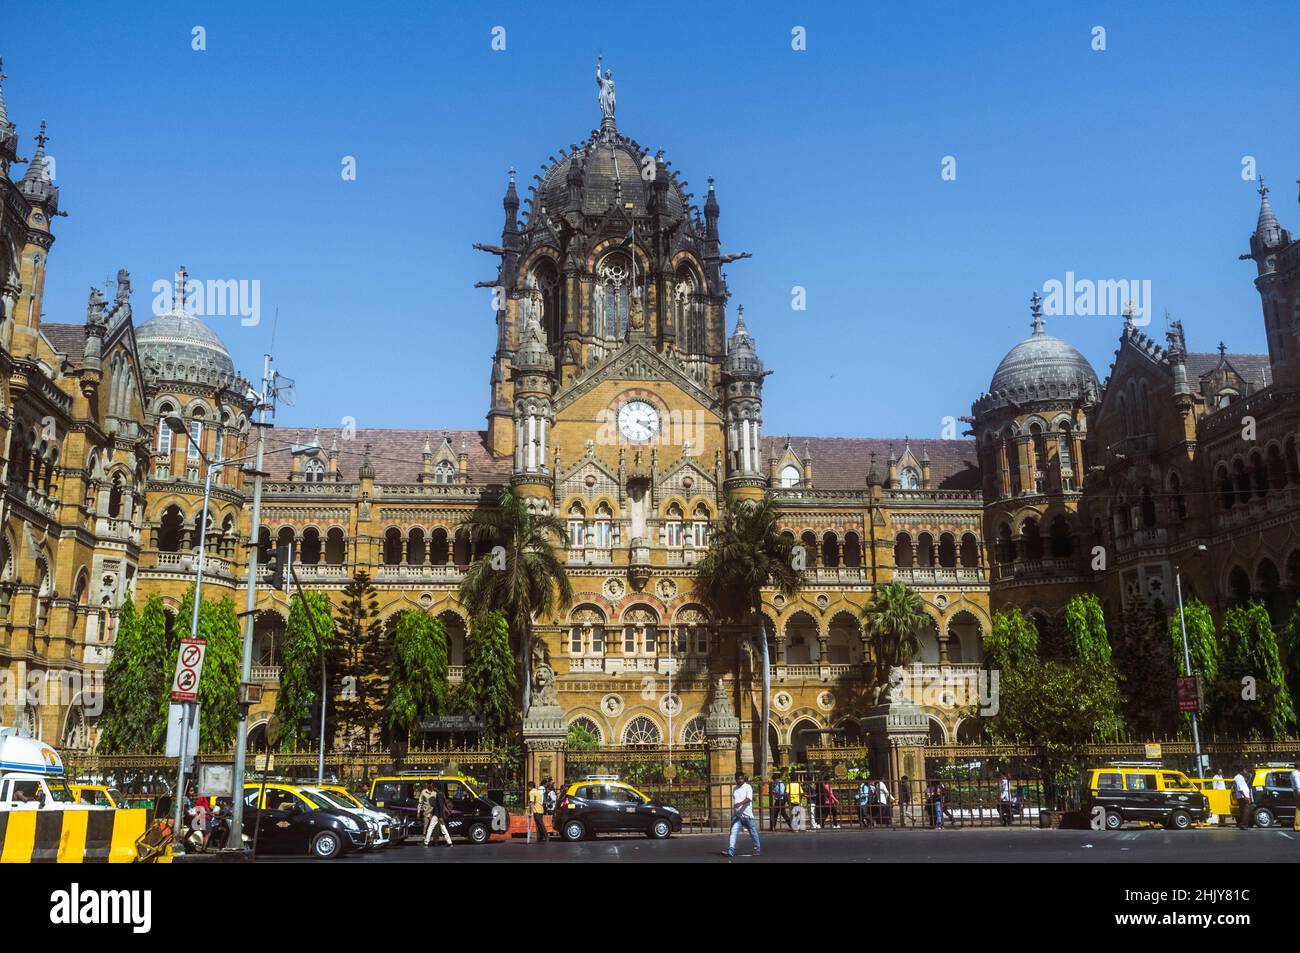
(101, 795)
(1142, 791)
(336, 795)
(601, 803)
(1275, 798)
(285, 819)
(472, 816)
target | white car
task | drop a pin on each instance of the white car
(377, 821)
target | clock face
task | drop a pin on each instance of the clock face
(638, 420)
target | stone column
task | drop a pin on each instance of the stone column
(544, 744)
(896, 735)
(722, 738)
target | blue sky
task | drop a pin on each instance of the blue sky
(1122, 164)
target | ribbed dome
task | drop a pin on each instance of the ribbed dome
(177, 346)
(1043, 366)
(608, 165)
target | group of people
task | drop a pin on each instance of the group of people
(817, 805)
(541, 802)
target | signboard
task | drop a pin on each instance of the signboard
(449, 723)
(1189, 693)
(189, 666)
(1153, 752)
(216, 780)
(175, 719)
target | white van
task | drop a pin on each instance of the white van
(31, 777)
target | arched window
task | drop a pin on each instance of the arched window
(169, 530)
(393, 547)
(314, 471)
(1062, 543)
(543, 300)
(852, 550)
(947, 551)
(1179, 500)
(1006, 547)
(612, 292)
(195, 444)
(1032, 539)
(604, 520)
(438, 549)
(1147, 506)
(673, 527)
(164, 432)
(925, 550)
(310, 552)
(700, 526)
(415, 547)
(584, 724)
(790, 475)
(903, 551)
(336, 549)
(970, 551)
(115, 497)
(444, 471)
(830, 550)
(641, 732)
(688, 312)
(577, 526)
(908, 479)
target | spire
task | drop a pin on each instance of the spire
(4, 111)
(178, 290)
(1036, 310)
(711, 213)
(8, 134)
(36, 183)
(367, 471)
(1267, 229)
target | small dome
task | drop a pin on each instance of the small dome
(1043, 359)
(608, 166)
(177, 346)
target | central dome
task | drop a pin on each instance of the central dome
(1043, 366)
(605, 171)
(177, 346)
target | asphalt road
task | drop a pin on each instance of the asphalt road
(985, 845)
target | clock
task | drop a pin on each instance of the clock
(638, 420)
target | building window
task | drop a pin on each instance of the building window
(315, 471)
(790, 475)
(164, 432)
(612, 296)
(444, 471)
(641, 731)
(602, 527)
(196, 439)
(577, 526)
(673, 527)
(908, 479)
(700, 527)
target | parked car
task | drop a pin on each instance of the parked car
(1275, 800)
(283, 819)
(1143, 791)
(472, 817)
(336, 795)
(601, 804)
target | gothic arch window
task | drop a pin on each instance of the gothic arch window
(415, 547)
(169, 529)
(602, 526)
(673, 527)
(577, 526)
(444, 472)
(970, 551)
(700, 526)
(925, 550)
(393, 547)
(438, 548)
(1126, 424)
(908, 479)
(1176, 493)
(693, 733)
(1238, 586)
(115, 497)
(790, 475)
(852, 550)
(1147, 507)
(1060, 538)
(336, 547)
(314, 471)
(164, 432)
(688, 311)
(583, 723)
(903, 551)
(947, 551)
(1031, 538)
(310, 550)
(613, 296)
(830, 550)
(543, 300)
(641, 732)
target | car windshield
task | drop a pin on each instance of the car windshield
(332, 798)
(348, 799)
(59, 790)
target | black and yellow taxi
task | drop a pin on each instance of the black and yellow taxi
(101, 795)
(602, 803)
(284, 818)
(472, 816)
(1142, 791)
(1275, 798)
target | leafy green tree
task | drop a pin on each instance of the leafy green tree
(137, 681)
(1086, 637)
(1059, 706)
(357, 660)
(522, 577)
(895, 618)
(1013, 641)
(579, 740)
(301, 655)
(219, 684)
(1291, 646)
(747, 552)
(1147, 674)
(417, 674)
(1252, 688)
(487, 687)
(1203, 646)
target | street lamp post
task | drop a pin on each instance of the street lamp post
(1187, 659)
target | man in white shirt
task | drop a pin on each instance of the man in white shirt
(1245, 799)
(1295, 794)
(742, 815)
(1218, 780)
(1004, 799)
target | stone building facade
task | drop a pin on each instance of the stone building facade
(618, 400)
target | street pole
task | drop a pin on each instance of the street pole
(1187, 660)
(324, 685)
(235, 839)
(187, 714)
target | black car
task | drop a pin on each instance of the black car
(290, 823)
(473, 816)
(607, 805)
(1275, 801)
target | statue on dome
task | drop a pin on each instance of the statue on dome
(607, 98)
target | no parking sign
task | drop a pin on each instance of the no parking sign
(189, 666)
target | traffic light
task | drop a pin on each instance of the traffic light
(280, 568)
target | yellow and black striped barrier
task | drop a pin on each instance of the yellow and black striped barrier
(72, 837)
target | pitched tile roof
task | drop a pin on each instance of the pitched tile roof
(1252, 367)
(842, 462)
(396, 455)
(67, 339)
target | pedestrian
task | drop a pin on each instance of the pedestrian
(936, 804)
(779, 800)
(830, 805)
(883, 797)
(424, 809)
(1295, 796)
(551, 797)
(203, 820)
(813, 801)
(437, 824)
(537, 810)
(1243, 798)
(742, 815)
(904, 800)
(795, 793)
(1004, 798)
(864, 801)
(1218, 784)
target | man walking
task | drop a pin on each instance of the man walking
(1245, 799)
(437, 823)
(882, 793)
(1295, 796)
(904, 801)
(779, 794)
(424, 809)
(1004, 798)
(742, 815)
(537, 810)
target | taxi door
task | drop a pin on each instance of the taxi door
(625, 809)
(461, 803)
(1143, 794)
(1277, 796)
(278, 831)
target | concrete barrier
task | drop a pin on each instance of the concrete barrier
(71, 837)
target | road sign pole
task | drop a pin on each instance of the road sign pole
(180, 772)
(1187, 660)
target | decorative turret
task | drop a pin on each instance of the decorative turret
(510, 230)
(37, 185)
(1268, 237)
(743, 375)
(711, 214)
(533, 372)
(367, 470)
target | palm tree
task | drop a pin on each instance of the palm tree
(746, 554)
(521, 580)
(895, 617)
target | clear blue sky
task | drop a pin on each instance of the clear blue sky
(1117, 164)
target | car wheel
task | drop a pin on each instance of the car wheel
(659, 829)
(326, 845)
(478, 834)
(574, 830)
(1180, 820)
(1114, 820)
(1264, 817)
